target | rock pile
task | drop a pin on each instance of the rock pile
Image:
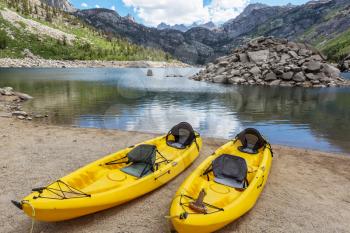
(272, 61)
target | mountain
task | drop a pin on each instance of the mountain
(324, 24)
(179, 27)
(252, 16)
(196, 46)
(64, 5)
(316, 22)
(33, 29)
(183, 28)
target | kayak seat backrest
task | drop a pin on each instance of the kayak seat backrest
(181, 136)
(230, 170)
(142, 159)
(251, 140)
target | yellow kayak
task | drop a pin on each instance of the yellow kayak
(225, 186)
(116, 178)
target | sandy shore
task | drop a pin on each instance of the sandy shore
(308, 191)
(43, 63)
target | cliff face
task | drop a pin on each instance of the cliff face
(253, 16)
(64, 5)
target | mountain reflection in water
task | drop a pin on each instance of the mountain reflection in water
(129, 100)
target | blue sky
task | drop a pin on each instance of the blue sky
(151, 12)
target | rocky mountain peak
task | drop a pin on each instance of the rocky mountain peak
(64, 5)
(253, 16)
(250, 8)
(183, 28)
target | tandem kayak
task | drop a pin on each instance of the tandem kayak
(116, 178)
(225, 186)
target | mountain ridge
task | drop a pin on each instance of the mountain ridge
(183, 28)
(324, 24)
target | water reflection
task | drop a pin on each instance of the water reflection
(127, 99)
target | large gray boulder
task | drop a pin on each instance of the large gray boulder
(313, 66)
(259, 56)
(287, 76)
(331, 71)
(219, 79)
(270, 76)
(299, 77)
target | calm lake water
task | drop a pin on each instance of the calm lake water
(129, 100)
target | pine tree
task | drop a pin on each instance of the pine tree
(64, 40)
(48, 17)
(3, 40)
(25, 6)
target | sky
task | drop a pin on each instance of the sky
(151, 12)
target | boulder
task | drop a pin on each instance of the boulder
(219, 79)
(344, 65)
(236, 80)
(19, 113)
(243, 57)
(149, 72)
(224, 63)
(299, 77)
(23, 96)
(293, 54)
(255, 70)
(235, 72)
(259, 56)
(313, 66)
(8, 91)
(304, 52)
(284, 57)
(311, 76)
(270, 76)
(275, 82)
(287, 76)
(331, 71)
(220, 70)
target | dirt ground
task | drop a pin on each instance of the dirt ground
(307, 191)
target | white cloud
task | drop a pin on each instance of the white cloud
(113, 8)
(97, 6)
(84, 4)
(185, 11)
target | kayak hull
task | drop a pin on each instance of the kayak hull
(98, 186)
(234, 203)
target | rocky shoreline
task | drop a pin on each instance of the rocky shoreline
(33, 62)
(274, 62)
(11, 104)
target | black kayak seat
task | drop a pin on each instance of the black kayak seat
(251, 140)
(230, 170)
(142, 159)
(181, 136)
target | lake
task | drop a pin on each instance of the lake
(127, 99)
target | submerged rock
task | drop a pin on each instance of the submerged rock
(149, 72)
(275, 62)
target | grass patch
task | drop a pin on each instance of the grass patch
(337, 48)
